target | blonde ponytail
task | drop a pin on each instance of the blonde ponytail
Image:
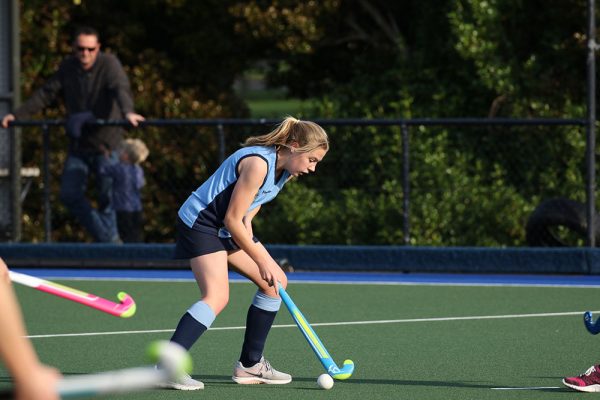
(306, 134)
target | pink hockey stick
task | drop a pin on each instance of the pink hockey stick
(125, 309)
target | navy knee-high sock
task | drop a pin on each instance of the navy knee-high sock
(198, 318)
(188, 331)
(258, 325)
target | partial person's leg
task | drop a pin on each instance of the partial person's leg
(210, 271)
(259, 320)
(128, 224)
(122, 225)
(73, 186)
(104, 187)
(211, 275)
(137, 230)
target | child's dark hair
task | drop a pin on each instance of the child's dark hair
(306, 134)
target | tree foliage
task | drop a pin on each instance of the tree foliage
(469, 186)
(359, 59)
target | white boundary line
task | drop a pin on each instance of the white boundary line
(527, 388)
(385, 321)
(342, 282)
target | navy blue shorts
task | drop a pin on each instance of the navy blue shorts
(192, 243)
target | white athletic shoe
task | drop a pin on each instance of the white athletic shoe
(184, 382)
(261, 372)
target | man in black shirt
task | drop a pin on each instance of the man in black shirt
(93, 86)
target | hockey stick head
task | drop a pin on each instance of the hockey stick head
(342, 373)
(127, 307)
(171, 356)
(591, 326)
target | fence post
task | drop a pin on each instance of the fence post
(10, 146)
(405, 183)
(47, 210)
(15, 182)
(221, 134)
(591, 126)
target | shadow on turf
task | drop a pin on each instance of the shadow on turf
(560, 390)
(226, 380)
(400, 382)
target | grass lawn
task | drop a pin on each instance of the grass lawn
(274, 104)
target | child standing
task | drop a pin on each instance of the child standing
(128, 180)
(214, 228)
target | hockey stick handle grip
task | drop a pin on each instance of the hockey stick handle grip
(173, 359)
(114, 382)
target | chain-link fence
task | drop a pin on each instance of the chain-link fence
(460, 182)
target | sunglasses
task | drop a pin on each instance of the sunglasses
(82, 49)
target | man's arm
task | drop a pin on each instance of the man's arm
(119, 84)
(41, 98)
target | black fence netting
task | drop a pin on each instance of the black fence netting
(393, 183)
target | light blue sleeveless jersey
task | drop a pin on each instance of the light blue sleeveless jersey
(205, 209)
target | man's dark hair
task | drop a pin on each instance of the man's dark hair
(85, 30)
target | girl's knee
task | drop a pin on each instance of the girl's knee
(217, 303)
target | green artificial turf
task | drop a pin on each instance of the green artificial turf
(406, 341)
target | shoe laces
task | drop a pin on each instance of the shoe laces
(267, 366)
(590, 370)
